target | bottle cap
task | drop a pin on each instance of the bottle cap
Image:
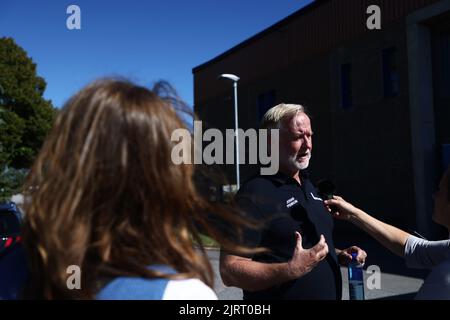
(355, 262)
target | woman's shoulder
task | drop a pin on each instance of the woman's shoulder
(136, 288)
(129, 288)
(420, 253)
(133, 288)
(188, 289)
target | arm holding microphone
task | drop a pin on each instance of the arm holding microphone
(326, 189)
(389, 236)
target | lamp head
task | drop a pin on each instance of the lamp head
(229, 76)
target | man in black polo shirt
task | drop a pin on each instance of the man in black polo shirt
(297, 229)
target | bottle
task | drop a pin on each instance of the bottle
(355, 279)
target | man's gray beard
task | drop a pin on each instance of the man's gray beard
(292, 162)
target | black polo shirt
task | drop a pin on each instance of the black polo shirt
(285, 207)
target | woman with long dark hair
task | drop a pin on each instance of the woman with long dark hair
(105, 196)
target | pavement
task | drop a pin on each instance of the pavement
(397, 282)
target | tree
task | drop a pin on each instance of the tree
(11, 181)
(25, 116)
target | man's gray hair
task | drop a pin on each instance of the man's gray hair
(273, 117)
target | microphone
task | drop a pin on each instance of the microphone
(326, 189)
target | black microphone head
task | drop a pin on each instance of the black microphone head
(326, 188)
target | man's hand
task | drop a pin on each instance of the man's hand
(345, 256)
(252, 276)
(304, 260)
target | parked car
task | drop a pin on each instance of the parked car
(13, 264)
(10, 225)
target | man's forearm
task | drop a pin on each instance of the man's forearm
(254, 276)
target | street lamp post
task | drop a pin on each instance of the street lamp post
(235, 79)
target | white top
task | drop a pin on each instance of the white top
(135, 288)
(189, 289)
(420, 253)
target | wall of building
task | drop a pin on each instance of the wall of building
(366, 149)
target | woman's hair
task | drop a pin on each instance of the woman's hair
(104, 195)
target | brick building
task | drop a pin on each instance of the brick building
(379, 99)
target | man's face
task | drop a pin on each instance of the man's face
(295, 143)
(442, 203)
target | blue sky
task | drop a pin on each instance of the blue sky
(144, 41)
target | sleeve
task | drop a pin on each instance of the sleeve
(189, 289)
(420, 253)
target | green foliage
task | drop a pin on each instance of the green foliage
(11, 181)
(25, 116)
(208, 242)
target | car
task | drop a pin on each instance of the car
(13, 263)
(10, 226)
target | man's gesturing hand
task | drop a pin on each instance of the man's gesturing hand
(304, 260)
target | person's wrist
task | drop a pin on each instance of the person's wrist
(356, 215)
(290, 270)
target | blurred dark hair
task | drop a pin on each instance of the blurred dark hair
(106, 196)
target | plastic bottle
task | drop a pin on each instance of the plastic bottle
(355, 279)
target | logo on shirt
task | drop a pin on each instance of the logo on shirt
(290, 202)
(316, 198)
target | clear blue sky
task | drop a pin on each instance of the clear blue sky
(144, 41)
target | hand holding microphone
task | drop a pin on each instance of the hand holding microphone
(326, 189)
